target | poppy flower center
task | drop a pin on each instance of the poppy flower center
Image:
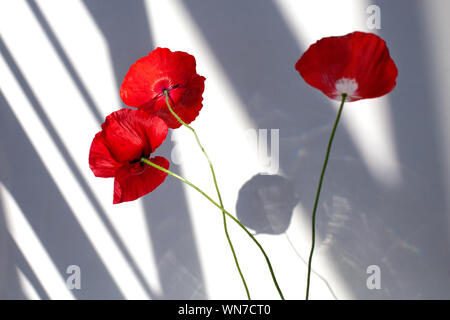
(143, 155)
(347, 86)
(163, 85)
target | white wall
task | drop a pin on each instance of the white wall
(384, 200)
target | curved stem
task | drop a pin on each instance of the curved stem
(166, 93)
(173, 174)
(319, 188)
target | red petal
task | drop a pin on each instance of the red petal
(361, 56)
(186, 102)
(145, 82)
(135, 180)
(131, 134)
(101, 162)
(150, 75)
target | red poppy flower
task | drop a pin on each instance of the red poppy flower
(127, 136)
(162, 69)
(357, 64)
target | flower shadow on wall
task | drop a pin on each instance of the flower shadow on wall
(266, 203)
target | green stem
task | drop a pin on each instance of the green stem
(224, 211)
(319, 188)
(166, 93)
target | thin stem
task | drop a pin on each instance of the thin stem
(319, 188)
(166, 93)
(225, 212)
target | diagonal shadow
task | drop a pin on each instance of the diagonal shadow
(65, 60)
(257, 51)
(9, 279)
(19, 261)
(89, 101)
(419, 209)
(173, 239)
(127, 32)
(25, 176)
(360, 222)
(71, 163)
(400, 229)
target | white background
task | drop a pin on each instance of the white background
(385, 197)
